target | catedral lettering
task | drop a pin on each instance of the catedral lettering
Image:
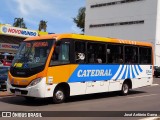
(94, 73)
(23, 32)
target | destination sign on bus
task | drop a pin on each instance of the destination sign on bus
(40, 44)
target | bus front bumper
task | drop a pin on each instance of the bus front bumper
(37, 90)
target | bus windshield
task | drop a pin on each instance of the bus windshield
(32, 54)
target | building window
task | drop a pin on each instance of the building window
(117, 24)
(113, 3)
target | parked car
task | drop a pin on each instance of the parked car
(3, 77)
(156, 71)
(1, 64)
(6, 62)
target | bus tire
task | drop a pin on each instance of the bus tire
(125, 89)
(59, 95)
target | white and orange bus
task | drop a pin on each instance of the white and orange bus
(63, 65)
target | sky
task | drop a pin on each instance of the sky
(59, 14)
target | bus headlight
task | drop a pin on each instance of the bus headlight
(35, 82)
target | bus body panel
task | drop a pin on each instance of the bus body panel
(21, 81)
(84, 78)
(139, 76)
(78, 88)
(145, 78)
(97, 87)
(81, 82)
(61, 73)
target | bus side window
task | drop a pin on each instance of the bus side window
(96, 53)
(80, 56)
(115, 53)
(90, 53)
(60, 54)
(145, 55)
(131, 54)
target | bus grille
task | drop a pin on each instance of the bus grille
(23, 92)
(19, 86)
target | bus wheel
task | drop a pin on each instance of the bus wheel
(125, 88)
(59, 95)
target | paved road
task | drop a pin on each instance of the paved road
(142, 99)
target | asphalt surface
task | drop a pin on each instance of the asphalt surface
(141, 99)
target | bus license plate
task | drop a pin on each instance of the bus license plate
(17, 92)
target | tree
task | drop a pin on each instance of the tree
(80, 19)
(19, 22)
(42, 25)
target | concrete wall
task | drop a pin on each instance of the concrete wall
(140, 10)
(157, 43)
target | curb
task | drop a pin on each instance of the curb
(4, 93)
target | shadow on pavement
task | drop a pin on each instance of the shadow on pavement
(100, 96)
(46, 101)
(16, 100)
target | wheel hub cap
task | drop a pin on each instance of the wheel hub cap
(125, 88)
(59, 95)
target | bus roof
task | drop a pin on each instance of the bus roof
(86, 37)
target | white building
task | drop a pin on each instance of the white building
(125, 19)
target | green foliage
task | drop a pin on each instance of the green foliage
(19, 22)
(80, 19)
(42, 25)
